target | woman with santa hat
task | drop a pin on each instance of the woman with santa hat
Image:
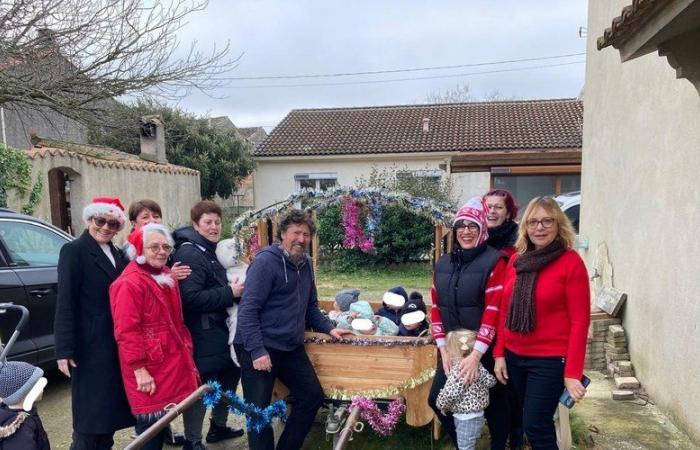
(155, 346)
(86, 350)
(466, 295)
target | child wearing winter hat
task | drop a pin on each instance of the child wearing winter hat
(360, 319)
(466, 402)
(413, 316)
(343, 300)
(21, 384)
(392, 302)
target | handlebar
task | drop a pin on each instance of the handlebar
(24, 318)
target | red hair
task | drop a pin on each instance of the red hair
(508, 199)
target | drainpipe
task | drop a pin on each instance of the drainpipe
(2, 121)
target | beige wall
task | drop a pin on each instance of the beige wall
(175, 193)
(274, 179)
(641, 197)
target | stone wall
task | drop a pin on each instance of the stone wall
(21, 123)
(641, 197)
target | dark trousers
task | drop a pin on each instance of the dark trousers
(539, 383)
(194, 421)
(145, 421)
(83, 441)
(498, 414)
(294, 369)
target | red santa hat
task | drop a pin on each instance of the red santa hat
(474, 211)
(135, 248)
(105, 206)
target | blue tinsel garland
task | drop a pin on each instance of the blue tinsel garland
(257, 419)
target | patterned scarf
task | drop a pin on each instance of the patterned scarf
(521, 313)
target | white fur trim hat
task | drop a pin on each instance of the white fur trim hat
(105, 206)
(395, 300)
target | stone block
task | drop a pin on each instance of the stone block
(626, 383)
(618, 356)
(621, 394)
(617, 350)
(616, 330)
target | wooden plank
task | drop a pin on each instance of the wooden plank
(263, 238)
(418, 413)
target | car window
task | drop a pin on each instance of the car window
(573, 214)
(30, 245)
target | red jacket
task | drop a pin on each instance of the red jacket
(562, 310)
(151, 333)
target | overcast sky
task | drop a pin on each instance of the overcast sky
(296, 37)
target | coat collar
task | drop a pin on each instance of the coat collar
(101, 259)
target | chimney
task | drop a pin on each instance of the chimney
(426, 124)
(153, 139)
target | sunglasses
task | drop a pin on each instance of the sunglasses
(111, 224)
(157, 247)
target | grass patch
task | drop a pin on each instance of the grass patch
(374, 281)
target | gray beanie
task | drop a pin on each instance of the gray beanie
(16, 380)
(347, 297)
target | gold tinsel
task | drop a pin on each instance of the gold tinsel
(385, 392)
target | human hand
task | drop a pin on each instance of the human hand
(469, 368)
(237, 287)
(144, 381)
(445, 360)
(575, 388)
(500, 370)
(338, 333)
(179, 271)
(263, 363)
(64, 365)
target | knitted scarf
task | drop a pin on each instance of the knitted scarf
(521, 313)
(503, 235)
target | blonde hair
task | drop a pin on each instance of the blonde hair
(565, 234)
(460, 343)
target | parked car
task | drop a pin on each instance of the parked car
(570, 204)
(29, 249)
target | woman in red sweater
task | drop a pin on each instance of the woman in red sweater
(542, 333)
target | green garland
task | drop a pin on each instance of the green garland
(16, 173)
(385, 392)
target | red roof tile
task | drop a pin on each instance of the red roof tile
(630, 19)
(484, 126)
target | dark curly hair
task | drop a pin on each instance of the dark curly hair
(295, 217)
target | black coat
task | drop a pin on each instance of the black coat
(30, 435)
(84, 331)
(205, 296)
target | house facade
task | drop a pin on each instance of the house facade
(530, 147)
(640, 191)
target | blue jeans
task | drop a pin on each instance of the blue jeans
(539, 382)
(294, 369)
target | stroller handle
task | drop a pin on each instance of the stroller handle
(24, 318)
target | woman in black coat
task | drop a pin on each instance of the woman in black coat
(206, 293)
(86, 350)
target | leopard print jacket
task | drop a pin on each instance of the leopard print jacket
(457, 398)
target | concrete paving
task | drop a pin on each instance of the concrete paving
(627, 425)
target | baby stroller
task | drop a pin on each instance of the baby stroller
(24, 318)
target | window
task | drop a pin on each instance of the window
(317, 181)
(430, 179)
(31, 245)
(526, 187)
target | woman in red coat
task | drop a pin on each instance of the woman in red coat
(155, 347)
(542, 329)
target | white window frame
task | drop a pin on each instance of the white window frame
(317, 177)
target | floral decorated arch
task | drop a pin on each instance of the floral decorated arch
(374, 199)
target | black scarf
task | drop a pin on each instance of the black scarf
(521, 313)
(503, 235)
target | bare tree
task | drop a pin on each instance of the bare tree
(74, 56)
(462, 94)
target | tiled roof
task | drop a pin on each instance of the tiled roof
(630, 19)
(102, 157)
(464, 127)
(247, 132)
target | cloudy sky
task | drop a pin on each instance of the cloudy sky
(314, 37)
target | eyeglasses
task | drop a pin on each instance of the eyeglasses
(111, 224)
(167, 248)
(547, 222)
(470, 226)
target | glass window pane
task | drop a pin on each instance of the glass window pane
(310, 184)
(574, 213)
(526, 187)
(327, 183)
(31, 245)
(570, 183)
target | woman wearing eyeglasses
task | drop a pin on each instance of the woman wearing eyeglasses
(466, 294)
(544, 320)
(155, 346)
(86, 349)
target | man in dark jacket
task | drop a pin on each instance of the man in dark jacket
(206, 293)
(279, 302)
